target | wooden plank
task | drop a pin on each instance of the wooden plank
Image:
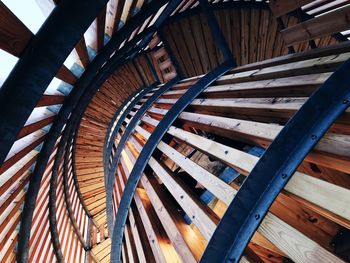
(135, 235)
(308, 222)
(30, 128)
(14, 35)
(66, 75)
(150, 230)
(200, 218)
(260, 132)
(334, 49)
(244, 259)
(281, 7)
(245, 29)
(254, 45)
(314, 190)
(255, 238)
(329, 23)
(47, 100)
(82, 52)
(298, 86)
(169, 225)
(22, 152)
(208, 180)
(101, 23)
(146, 215)
(118, 14)
(154, 42)
(189, 43)
(166, 219)
(292, 242)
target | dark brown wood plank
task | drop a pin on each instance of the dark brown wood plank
(332, 22)
(14, 35)
(28, 129)
(82, 52)
(281, 7)
(47, 100)
(118, 14)
(101, 23)
(66, 75)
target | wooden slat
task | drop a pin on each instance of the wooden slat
(47, 100)
(153, 238)
(256, 238)
(154, 42)
(332, 22)
(118, 14)
(101, 23)
(259, 132)
(30, 128)
(66, 75)
(295, 244)
(194, 244)
(167, 221)
(282, 7)
(314, 190)
(82, 52)
(334, 49)
(14, 35)
(280, 228)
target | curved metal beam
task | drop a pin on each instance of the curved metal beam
(129, 129)
(277, 166)
(67, 195)
(108, 143)
(75, 179)
(67, 133)
(163, 126)
(85, 243)
(122, 115)
(91, 74)
(52, 204)
(150, 146)
(39, 64)
(34, 184)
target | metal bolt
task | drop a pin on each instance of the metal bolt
(257, 216)
(313, 137)
(181, 196)
(284, 176)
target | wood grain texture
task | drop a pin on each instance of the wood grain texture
(14, 35)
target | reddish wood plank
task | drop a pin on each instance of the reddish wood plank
(47, 100)
(14, 35)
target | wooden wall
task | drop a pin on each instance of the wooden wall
(252, 34)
